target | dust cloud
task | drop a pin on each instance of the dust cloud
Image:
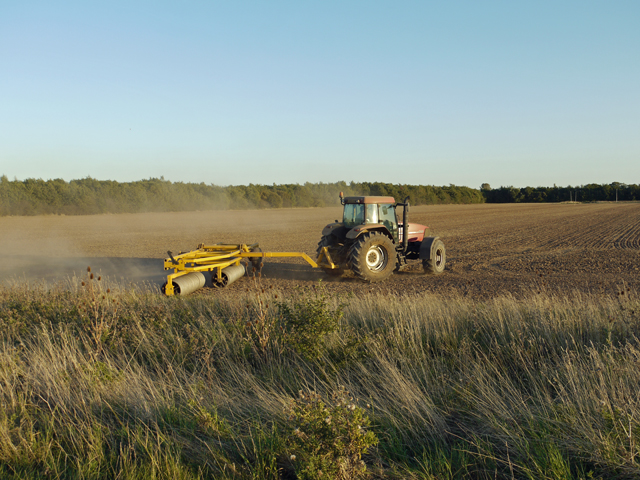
(131, 247)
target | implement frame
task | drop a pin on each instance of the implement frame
(214, 258)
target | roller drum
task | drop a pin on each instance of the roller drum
(189, 283)
(229, 275)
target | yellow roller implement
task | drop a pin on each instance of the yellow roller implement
(223, 261)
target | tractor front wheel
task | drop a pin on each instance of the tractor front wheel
(372, 257)
(435, 264)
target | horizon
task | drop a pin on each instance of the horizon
(89, 177)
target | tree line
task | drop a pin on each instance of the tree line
(91, 196)
(592, 192)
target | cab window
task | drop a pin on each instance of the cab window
(353, 214)
(371, 214)
(387, 215)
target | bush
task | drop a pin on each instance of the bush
(306, 321)
(328, 439)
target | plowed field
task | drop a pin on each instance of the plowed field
(491, 249)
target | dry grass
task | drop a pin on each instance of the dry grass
(98, 381)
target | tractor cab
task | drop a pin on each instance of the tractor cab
(369, 213)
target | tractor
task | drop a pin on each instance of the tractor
(371, 243)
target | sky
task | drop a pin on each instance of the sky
(238, 92)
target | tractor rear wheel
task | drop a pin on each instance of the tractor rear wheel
(435, 264)
(372, 257)
(329, 241)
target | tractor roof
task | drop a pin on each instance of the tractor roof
(369, 200)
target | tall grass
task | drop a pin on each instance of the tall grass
(97, 381)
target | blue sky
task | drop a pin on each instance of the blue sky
(424, 92)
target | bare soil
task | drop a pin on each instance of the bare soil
(492, 250)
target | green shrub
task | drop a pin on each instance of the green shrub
(328, 439)
(306, 321)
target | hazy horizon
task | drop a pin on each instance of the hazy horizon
(478, 187)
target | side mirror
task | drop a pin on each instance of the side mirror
(341, 198)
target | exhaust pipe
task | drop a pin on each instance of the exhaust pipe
(186, 284)
(405, 226)
(229, 275)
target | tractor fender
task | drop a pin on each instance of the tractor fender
(358, 230)
(426, 251)
(329, 229)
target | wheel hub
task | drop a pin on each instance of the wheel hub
(376, 258)
(439, 258)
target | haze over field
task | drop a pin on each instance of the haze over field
(492, 250)
(508, 93)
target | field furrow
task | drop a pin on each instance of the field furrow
(491, 249)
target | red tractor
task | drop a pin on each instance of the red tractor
(370, 242)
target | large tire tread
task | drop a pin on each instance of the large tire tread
(358, 252)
